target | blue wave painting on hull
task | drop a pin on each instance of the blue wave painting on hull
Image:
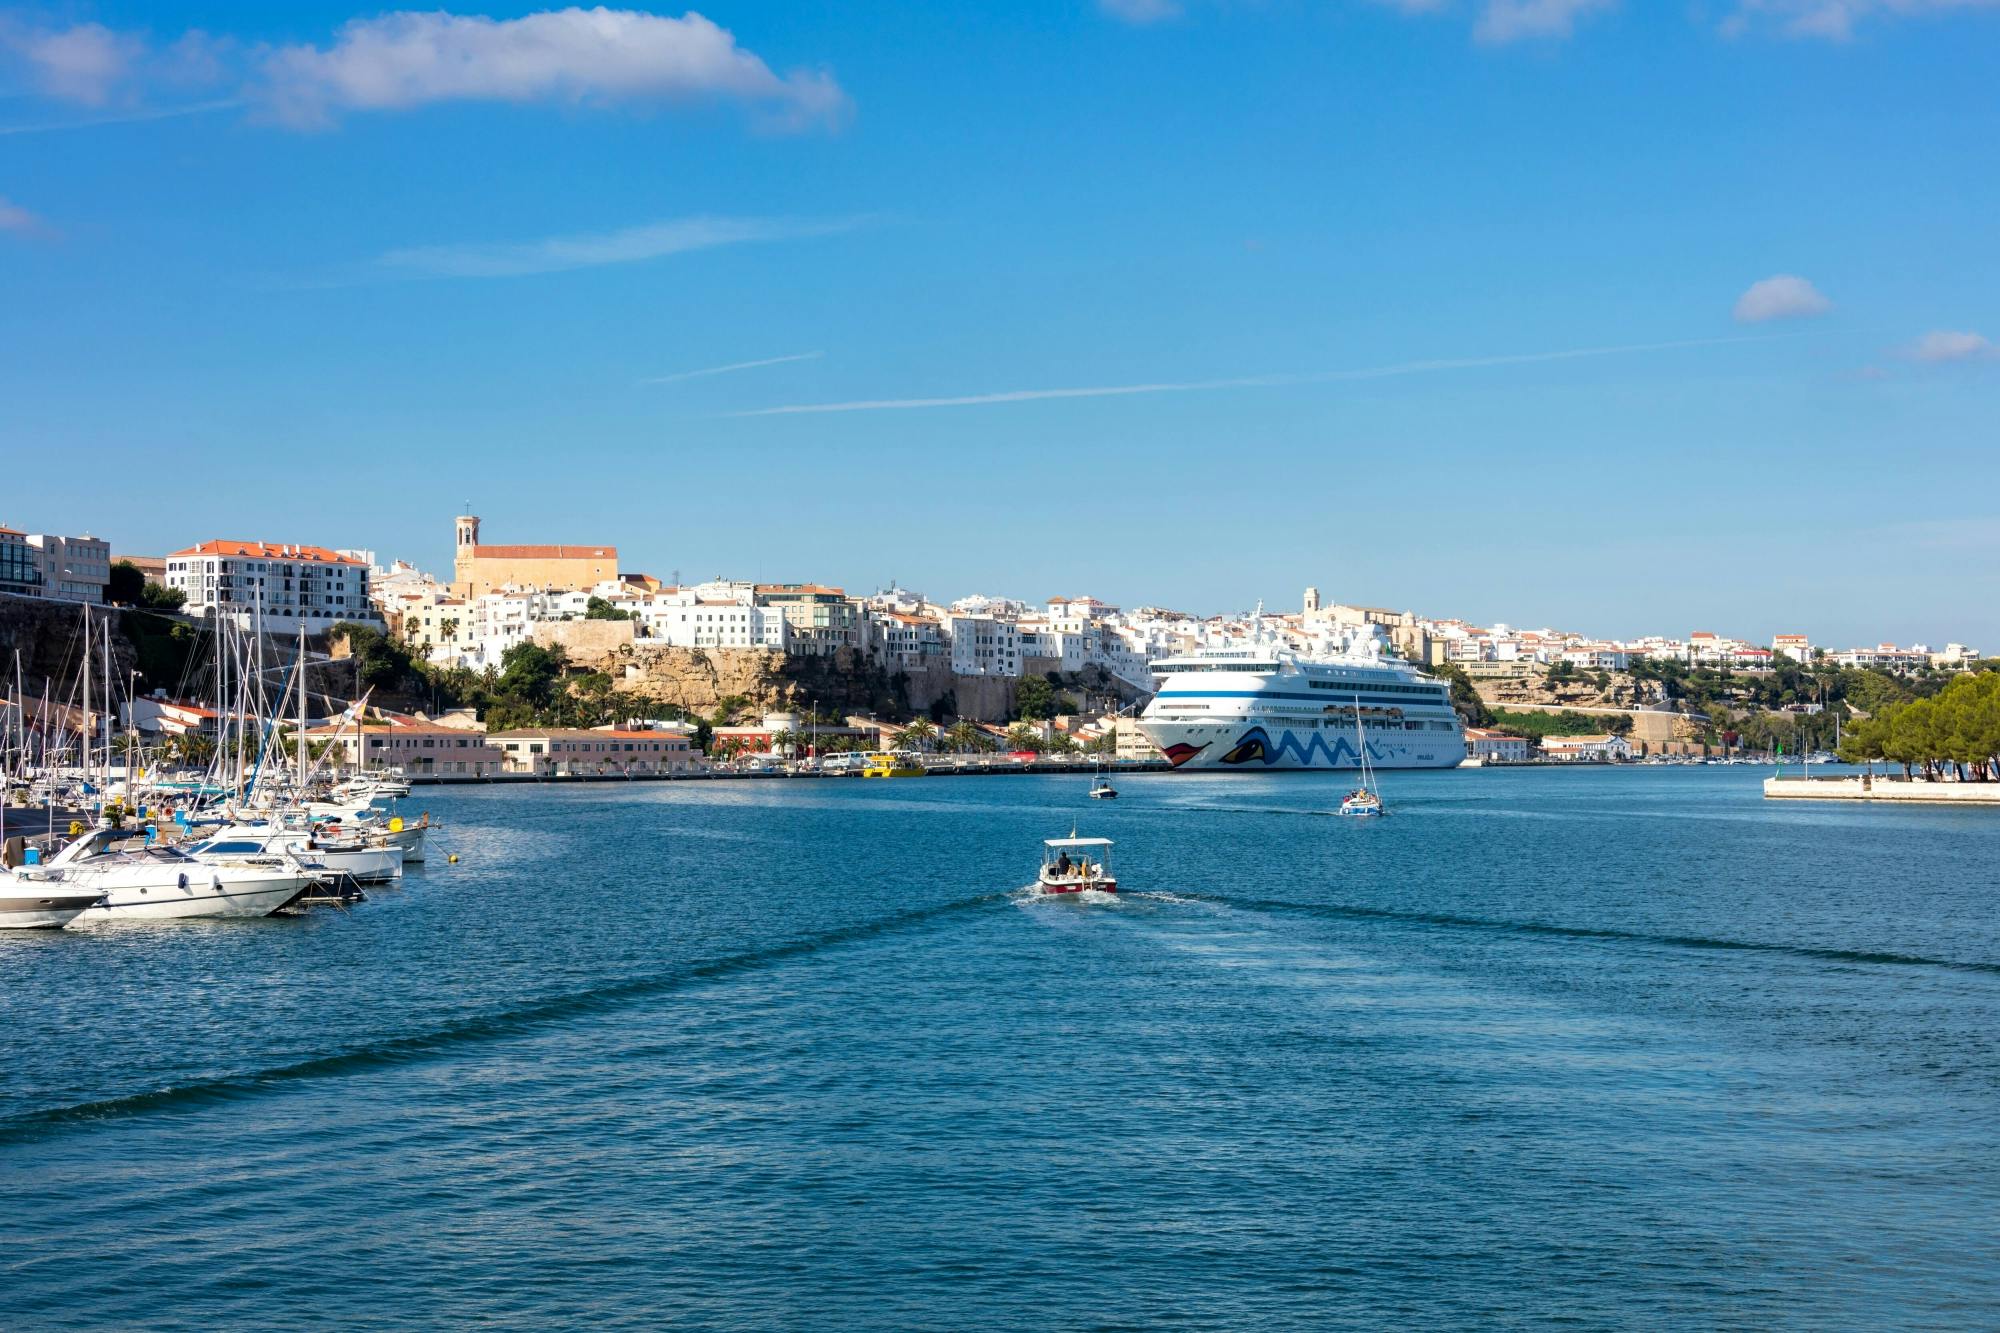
(1256, 746)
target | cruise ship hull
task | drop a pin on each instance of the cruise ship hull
(1259, 747)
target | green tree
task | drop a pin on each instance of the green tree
(1465, 699)
(159, 597)
(1021, 736)
(599, 609)
(1034, 699)
(529, 672)
(968, 738)
(127, 585)
(919, 735)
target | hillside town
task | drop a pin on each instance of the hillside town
(733, 669)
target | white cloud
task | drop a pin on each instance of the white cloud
(1836, 20)
(403, 60)
(629, 245)
(1783, 296)
(88, 63)
(1942, 345)
(1239, 382)
(1503, 21)
(1141, 11)
(732, 368)
(15, 218)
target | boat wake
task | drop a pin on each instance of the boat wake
(417, 1047)
(1355, 912)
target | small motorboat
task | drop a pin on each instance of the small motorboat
(1101, 788)
(1073, 865)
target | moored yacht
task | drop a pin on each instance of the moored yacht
(29, 904)
(158, 884)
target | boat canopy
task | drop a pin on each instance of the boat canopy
(1076, 842)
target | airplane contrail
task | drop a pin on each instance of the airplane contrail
(733, 366)
(1238, 382)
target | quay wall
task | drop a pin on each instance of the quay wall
(731, 775)
(1883, 789)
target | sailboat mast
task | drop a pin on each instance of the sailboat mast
(104, 640)
(301, 739)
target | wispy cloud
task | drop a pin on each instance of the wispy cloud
(1141, 11)
(1836, 20)
(121, 118)
(1942, 345)
(17, 219)
(1503, 21)
(732, 368)
(1236, 382)
(1782, 296)
(627, 246)
(1497, 22)
(87, 63)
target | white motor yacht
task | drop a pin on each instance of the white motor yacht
(27, 904)
(364, 862)
(160, 884)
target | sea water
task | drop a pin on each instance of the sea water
(1623, 1047)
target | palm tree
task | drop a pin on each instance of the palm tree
(919, 735)
(785, 743)
(1022, 736)
(966, 738)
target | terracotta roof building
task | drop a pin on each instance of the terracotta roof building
(280, 585)
(478, 569)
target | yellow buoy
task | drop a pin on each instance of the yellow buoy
(396, 824)
(453, 858)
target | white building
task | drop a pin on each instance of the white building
(1602, 749)
(717, 614)
(1597, 657)
(1494, 747)
(1955, 656)
(1886, 656)
(67, 569)
(290, 585)
(1798, 647)
(908, 641)
(984, 646)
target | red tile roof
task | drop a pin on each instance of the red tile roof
(268, 551)
(546, 553)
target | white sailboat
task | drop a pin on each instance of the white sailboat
(1366, 799)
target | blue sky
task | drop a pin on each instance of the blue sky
(1628, 318)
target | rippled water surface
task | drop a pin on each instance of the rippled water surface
(1628, 1047)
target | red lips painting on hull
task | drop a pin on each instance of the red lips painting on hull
(1180, 752)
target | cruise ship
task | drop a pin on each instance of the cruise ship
(1259, 708)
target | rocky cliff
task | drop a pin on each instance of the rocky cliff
(49, 637)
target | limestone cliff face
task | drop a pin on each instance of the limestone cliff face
(49, 637)
(699, 679)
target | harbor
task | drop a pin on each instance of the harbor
(782, 1031)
